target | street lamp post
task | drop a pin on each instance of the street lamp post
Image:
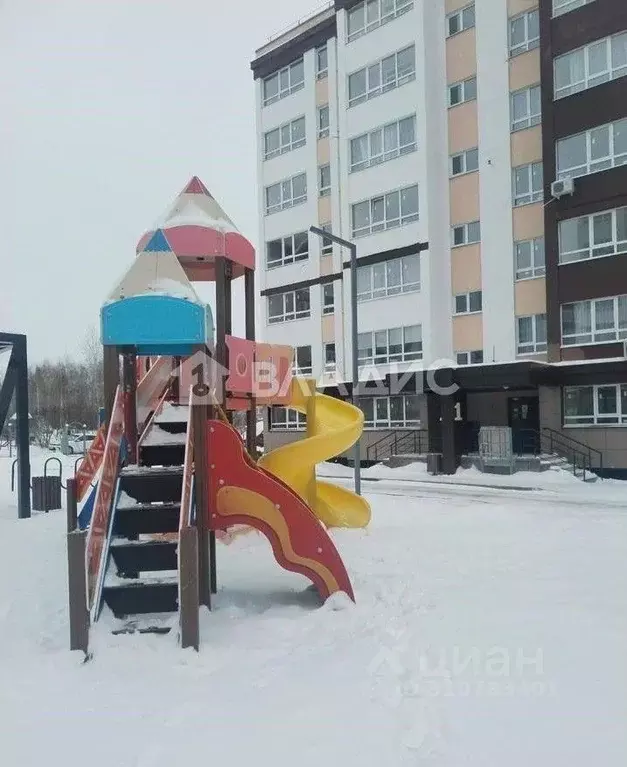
(355, 360)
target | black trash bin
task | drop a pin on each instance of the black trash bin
(46, 493)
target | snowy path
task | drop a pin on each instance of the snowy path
(489, 630)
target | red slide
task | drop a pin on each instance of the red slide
(240, 493)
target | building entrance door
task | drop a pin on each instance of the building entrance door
(524, 420)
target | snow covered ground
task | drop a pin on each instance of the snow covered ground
(489, 630)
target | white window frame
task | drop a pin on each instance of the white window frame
(387, 423)
(378, 86)
(399, 7)
(385, 359)
(387, 290)
(533, 195)
(291, 145)
(465, 19)
(299, 370)
(590, 167)
(293, 421)
(383, 224)
(290, 240)
(289, 298)
(536, 345)
(463, 156)
(377, 153)
(322, 72)
(284, 89)
(618, 418)
(468, 91)
(531, 118)
(329, 367)
(326, 249)
(528, 44)
(616, 246)
(611, 72)
(560, 7)
(467, 299)
(597, 335)
(286, 201)
(322, 124)
(326, 288)
(470, 232)
(537, 267)
(324, 190)
(464, 358)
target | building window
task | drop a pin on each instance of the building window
(383, 144)
(531, 334)
(291, 305)
(324, 180)
(525, 108)
(302, 361)
(391, 72)
(287, 250)
(466, 234)
(468, 303)
(322, 62)
(564, 6)
(327, 245)
(470, 358)
(464, 162)
(593, 151)
(284, 82)
(286, 194)
(602, 405)
(529, 258)
(286, 418)
(595, 236)
(385, 212)
(460, 20)
(389, 278)
(380, 347)
(398, 412)
(528, 183)
(366, 16)
(594, 322)
(283, 139)
(328, 298)
(323, 121)
(328, 353)
(597, 63)
(466, 90)
(524, 33)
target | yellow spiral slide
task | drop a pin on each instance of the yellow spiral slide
(332, 427)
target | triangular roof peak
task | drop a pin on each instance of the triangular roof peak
(195, 186)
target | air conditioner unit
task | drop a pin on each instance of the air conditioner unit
(563, 187)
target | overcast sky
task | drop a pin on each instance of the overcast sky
(107, 107)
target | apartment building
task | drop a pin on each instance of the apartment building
(431, 135)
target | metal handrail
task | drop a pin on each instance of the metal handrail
(390, 444)
(571, 441)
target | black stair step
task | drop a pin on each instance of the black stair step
(139, 598)
(162, 455)
(131, 559)
(131, 521)
(149, 484)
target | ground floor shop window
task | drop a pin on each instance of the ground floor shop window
(604, 404)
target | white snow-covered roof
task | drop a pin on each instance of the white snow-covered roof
(155, 273)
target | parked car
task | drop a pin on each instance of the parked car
(77, 445)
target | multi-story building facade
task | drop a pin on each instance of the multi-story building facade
(430, 134)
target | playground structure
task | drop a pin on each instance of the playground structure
(173, 475)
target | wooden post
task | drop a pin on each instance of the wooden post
(77, 578)
(71, 505)
(129, 374)
(111, 371)
(251, 415)
(189, 588)
(199, 416)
